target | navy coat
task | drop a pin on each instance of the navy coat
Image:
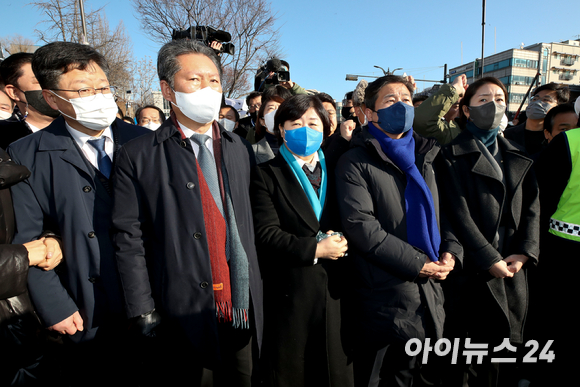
(162, 248)
(65, 195)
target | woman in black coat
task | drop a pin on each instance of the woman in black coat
(302, 322)
(490, 195)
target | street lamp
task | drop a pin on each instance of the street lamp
(384, 72)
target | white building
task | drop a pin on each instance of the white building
(516, 68)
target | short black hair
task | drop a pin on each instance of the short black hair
(348, 96)
(225, 105)
(168, 65)
(562, 91)
(372, 90)
(11, 67)
(252, 95)
(53, 60)
(278, 90)
(294, 107)
(323, 97)
(138, 113)
(552, 113)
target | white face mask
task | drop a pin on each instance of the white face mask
(151, 125)
(94, 112)
(202, 106)
(4, 115)
(504, 123)
(269, 120)
(229, 125)
(364, 115)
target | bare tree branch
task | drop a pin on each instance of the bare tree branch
(250, 22)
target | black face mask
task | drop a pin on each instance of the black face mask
(254, 116)
(345, 112)
(35, 99)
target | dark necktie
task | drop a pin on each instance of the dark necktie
(315, 177)
(103, 160)
(208, 168)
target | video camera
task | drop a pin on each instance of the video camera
(207, 35)
(273, 65)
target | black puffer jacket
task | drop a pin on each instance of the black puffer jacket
(393, 303)
(14, 300)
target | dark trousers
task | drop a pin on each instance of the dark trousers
(172, 361)
(106, 360)
(386, 366)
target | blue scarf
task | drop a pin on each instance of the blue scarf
(487, 137)
(422, 229)
(316, 201)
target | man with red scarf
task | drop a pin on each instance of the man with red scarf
(184, 232)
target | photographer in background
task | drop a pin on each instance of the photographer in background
(275, 72)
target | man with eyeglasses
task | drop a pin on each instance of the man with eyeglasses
(150, 117)
(248, 123)
(69, 193)
(530, 134)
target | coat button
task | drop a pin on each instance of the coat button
(92, 280)
(91, 234)
(183, 144)
(197, 235)
(203, 285)
(190, 185)
(87, 188)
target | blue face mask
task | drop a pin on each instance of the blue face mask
(397, 118)
(303, 141)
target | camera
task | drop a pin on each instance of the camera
(278, 67)
(207, 35)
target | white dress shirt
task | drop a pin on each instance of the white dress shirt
(188, 133)
(88, 150)
(310, 166)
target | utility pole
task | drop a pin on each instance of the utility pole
(482, 36)
(84, 24)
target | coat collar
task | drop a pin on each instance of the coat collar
(169, 130)
(519, 163)
(293, 192)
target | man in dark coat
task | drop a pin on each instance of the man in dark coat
(395, 295)
(68, 192)
(19, 325)
(530, 134)
(184, 231)
(22, 87)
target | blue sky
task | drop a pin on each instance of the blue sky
(325, 40)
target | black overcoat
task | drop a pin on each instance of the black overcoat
(477, 202)
(393, 304)
(302, 300)
(162, 246)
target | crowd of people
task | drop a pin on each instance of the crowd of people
(412, 242)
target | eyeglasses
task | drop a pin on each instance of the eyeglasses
(145, 121)
(545, 98)
(107, 91)
(255, 106)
